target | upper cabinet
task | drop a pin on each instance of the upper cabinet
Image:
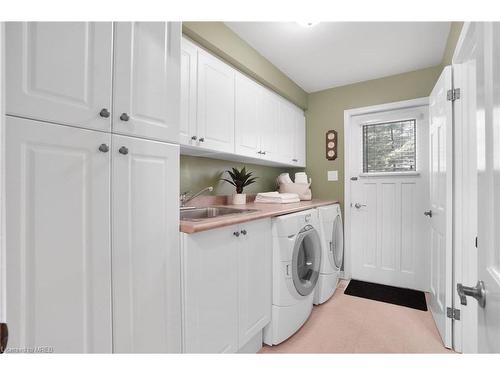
(147, 80)
(60, 72)
(225, 114)
(215, 117)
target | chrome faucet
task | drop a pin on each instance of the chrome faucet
(184, 197)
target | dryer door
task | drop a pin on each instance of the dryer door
(336, 253)
(306, 260)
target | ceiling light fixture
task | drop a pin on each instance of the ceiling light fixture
(307, 24)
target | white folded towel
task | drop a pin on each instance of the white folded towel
(275, 197)
(284, 178)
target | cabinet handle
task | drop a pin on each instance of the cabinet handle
(202, 139)
(263, 152)
(237, 234)
(259, 152)
(244, 232)
(104, 147)
(123, 150)
(104, 113)
(194, 137)
(295, 160)
(124, 117)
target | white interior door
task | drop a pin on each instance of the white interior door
(60, 72)
(388, 171)
(147, 80)
(146, 259)
(440, 214)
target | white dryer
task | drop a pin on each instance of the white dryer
(332, 244)
(296, 266)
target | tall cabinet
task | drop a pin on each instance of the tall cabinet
(92, 216)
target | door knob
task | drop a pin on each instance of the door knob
(478, 292)
(104, 113)
(124, 117)
(428, 213)
(123, 150)
(104, 147)
(359, 205)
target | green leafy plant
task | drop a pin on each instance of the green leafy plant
(240, 179)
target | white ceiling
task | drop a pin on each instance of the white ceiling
(340, 53)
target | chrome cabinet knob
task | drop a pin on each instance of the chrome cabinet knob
(104, 147)
(124, 117)
(237, 234)
(123, 150)
(202, 139)
(428, 213)
(244, 232)
(194, 137)
(295, 160)
(104, 113)
(359, 205)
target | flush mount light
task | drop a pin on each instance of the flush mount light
(307, 24)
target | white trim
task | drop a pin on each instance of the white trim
(348, 114)
(3, 270)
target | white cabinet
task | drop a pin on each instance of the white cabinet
(286, 133)
(58, 237)
(210, 291)
(189, 86)
(63, 216)
(268, 120)
(247, 120)
(254, 279)
(299, 140)
(146, 261)
(226, 286)
(215, 114)
(147, 80)
(60, 72)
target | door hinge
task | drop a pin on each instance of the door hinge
(453, 94)
(453, 313)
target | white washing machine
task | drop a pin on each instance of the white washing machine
(332, 244)
(296, 266)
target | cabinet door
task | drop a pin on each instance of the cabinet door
(58, 237)
(247, 125)
(300, 139)
(147, 80)
(254, 278)
(189, 86)
(210, 266)
(60, 72)
(215, 103)
(269, 125)
(146, 260)
(286, 133)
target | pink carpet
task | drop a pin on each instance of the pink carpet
(347, 324)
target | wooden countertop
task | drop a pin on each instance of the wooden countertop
(263, 210)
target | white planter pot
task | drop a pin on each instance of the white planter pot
(239, 199)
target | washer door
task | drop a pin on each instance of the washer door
(306, 260)
(336, 253)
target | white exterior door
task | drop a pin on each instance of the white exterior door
(247, 126)
(60, 72)
(215, 103)
(389, 236)
(254, 273)
(440, 214)
(147, 79)
(58, 247)
(210, 268)
(189, 87)
(146, 260)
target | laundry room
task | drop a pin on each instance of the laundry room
(191, 183)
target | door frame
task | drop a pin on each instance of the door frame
(465, 187)
(348, 121)
(3, 278)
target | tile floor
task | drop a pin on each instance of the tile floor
(347, 324)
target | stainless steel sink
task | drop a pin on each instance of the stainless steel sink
(196, 214)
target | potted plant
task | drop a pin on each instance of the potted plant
(240, 179)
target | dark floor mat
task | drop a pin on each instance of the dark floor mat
(390, 294)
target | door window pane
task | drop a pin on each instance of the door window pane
(389, 147)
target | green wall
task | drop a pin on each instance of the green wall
(221, 40)
(197, 173)
(451, 43)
